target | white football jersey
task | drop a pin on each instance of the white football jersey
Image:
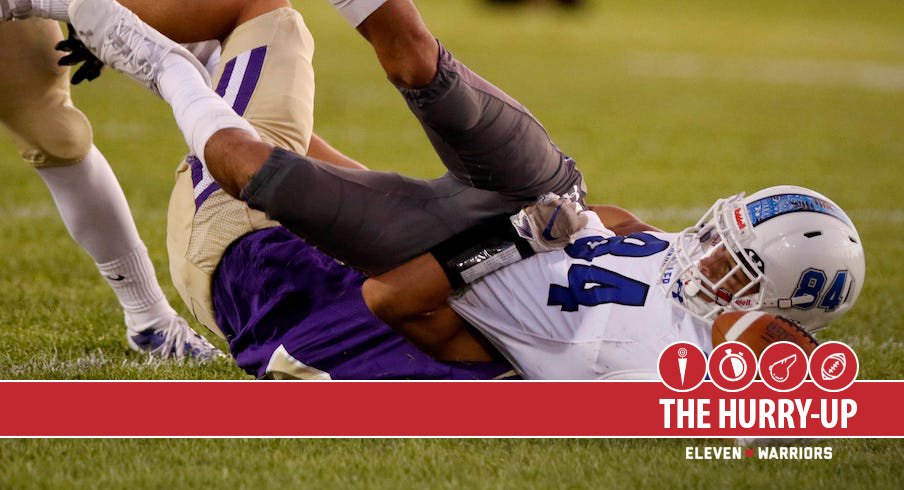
(591, 311)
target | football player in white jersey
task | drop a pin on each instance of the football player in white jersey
(55, 137)
(603, 306)
(607, 304)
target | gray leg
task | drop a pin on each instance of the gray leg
(486, 138)
(372, 221)
(498, 155)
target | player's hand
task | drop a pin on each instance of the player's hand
(79, 53)
(549, 223)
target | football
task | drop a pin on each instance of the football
(757, 330)
(833, 366)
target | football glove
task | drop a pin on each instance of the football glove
(550, 223)
(79, 53)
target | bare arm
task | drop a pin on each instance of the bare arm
(321, 150)
(412, 298)
(621, 221)
(178, 20)
(238, 157)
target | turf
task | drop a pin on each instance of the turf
(434, 463)
(665, 105)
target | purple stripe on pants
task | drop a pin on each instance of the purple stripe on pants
(249, 81)
(243, 97)
(197, 175)
(205, 194)
(197, 171)
(224, 80)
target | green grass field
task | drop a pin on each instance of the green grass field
(665, 105)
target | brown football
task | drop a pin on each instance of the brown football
(757, 330)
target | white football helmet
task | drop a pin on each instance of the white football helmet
(787, 250)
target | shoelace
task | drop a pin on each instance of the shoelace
(174, 339)
(127, 44)
(13, 11)
(9, 11)
(179, 340)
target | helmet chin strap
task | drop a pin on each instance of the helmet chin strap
(721, 297)
(790, 302)
(692, 288)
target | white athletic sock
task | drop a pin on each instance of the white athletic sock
(355, 11)
(199, 111)
(93, 206)
(51, 9)
(207, 52)
(96, 213)
(132, 278)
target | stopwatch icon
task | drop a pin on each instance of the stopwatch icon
(733, 367)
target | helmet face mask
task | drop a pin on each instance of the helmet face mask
(785, 250)
(714, 272)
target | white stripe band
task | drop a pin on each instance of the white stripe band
(236, 78)
(745, 321)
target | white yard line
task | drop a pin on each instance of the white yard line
(794, 71)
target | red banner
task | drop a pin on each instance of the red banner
(442, 409)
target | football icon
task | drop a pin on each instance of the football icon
(833, 366)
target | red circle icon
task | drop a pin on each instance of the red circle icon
(682, 366)
(834, 366)
(783, 366)
(732, 366)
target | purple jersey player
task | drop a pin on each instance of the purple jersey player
(287, 310)
(290, 311)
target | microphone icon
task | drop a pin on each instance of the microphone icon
(682, 363)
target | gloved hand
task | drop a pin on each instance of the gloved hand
(549, 223)
(79, 53)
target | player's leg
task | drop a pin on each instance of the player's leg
(177, 19)
(56, 138)
(486, 138)
(290, 312)
(405, 47)
(272, 87)
(276, 299)
(368, 219)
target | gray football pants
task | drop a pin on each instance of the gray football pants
(498, 155)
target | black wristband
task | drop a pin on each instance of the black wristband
(481, 250)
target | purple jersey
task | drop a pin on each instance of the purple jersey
(272, 289)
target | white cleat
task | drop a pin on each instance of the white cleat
(170, 337)
(14, 9)
(124, 42)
